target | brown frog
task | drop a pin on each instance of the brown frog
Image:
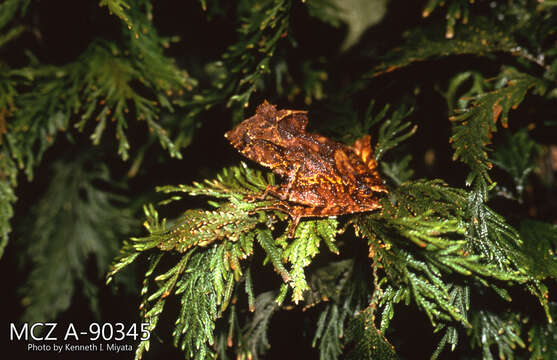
(323, 177)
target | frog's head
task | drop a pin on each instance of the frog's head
(268, 125)
(259, 128)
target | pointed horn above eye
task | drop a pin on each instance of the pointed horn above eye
(265, 107)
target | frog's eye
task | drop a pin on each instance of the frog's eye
(364, 190)
(246, 138)
(295, 122)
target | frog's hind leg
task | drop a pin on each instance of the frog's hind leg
(296, 213)
(291, 230)
(269, 190)
(279, 206)
(299, 212)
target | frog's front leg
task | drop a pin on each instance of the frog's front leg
(276, 191)
(283, 191)
(295, 212)
(270, 189)
(291, 180)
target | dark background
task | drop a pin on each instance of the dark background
(67, 27)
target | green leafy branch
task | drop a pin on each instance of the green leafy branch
(233, 183)
(211, 226)
(73, 221)
(480, 37)
(9, 9)
(305, 247)
(244, 64)
(394, 127)
(424, 233)
(267, 22)
(253, 339)
(330, 331)
(487, 232)
(368, 342)
(436, 220)
(204, 280)
(418, 275)
(112, 97)
(460, 298)
(98, 85)
(8, 173)
(9, 81)
(344, 289)
(540, 242)
(515, 156)
(456, 10)
(392, 131)
(118, 8)
(542, 338)
(491, 329)
(472, 127)
(212, 245)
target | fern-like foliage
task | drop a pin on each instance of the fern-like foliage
(480, 38)
(425, 232)
(8, 173)
(412, 215)
(460, 298)
(417, 275)
(456, 10)
(264, 16)
(70, 224)
(491, 329)
(228, 233)
(9, 81)
(118, 8)
(194, 327)
(330, 331)
(515, 157)
(487, 232)
(367, 341)
(253, 339)
(10, 8)
(6, 213)
(542, 338)
(540, 242)
(344, 289)
(473, 126)
(96, 86)
(304, 247)
(211, 225)
(243, 66)
(393, 127)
